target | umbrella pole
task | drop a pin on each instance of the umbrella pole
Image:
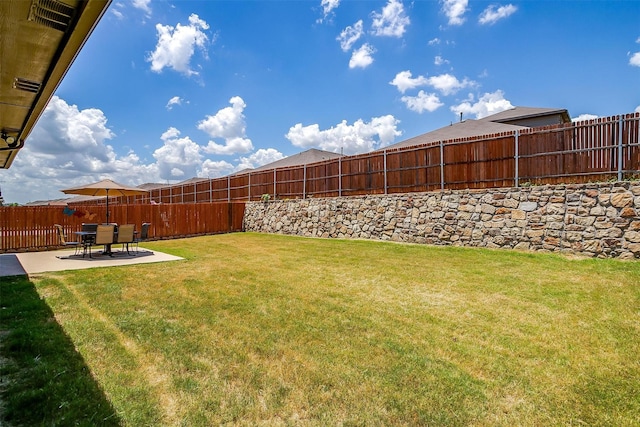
(107, 206)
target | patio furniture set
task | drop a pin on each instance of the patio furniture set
(104, 235)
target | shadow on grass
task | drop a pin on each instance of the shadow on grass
(43, 379)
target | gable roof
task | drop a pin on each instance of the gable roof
(306, 157)
(193, 180)
(464, 129)
(516, 118)
(152, 185)
(64, 201)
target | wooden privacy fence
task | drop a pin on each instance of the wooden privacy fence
(594, 150)
(31, 227)
(589, 151)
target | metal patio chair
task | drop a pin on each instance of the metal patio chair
(104, 236)
(144, 234)
(125, 235)
(63, 239)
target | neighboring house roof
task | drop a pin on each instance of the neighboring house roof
(464, 129)
(530, 116)
(516, 118)
(152, 185)
(63, 202)
(193, 180)
(56, 202)
(306, 157)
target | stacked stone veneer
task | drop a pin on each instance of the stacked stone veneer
(600, 220)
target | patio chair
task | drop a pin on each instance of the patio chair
(63, 239)
(88, 239)
(144, 234)
(104, 236)
(126, 235)
(89, 227)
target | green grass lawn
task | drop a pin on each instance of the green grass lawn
(254, 329)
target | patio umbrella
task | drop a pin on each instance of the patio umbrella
(107, 188)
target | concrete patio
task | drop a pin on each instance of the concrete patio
(27, 263)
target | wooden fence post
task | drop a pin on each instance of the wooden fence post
(304, 182)
(339, 176)
(620, 144)
(517, 160)
(384, 163)
(441, 166)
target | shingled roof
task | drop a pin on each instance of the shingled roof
(516, 118)
(304, 158)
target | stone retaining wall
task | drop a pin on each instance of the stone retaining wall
(597, 220)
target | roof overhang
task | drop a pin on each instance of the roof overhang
(39, 40)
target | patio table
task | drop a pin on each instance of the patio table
(84, 234)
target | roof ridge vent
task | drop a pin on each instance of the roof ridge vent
(27, 85)
(51, 13)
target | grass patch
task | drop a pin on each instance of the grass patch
(44, 381)
(264, 329)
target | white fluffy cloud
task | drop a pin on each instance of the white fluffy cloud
(444, 83)
(494, 13)
(259, 158)
(176, 100)
(634, 58)
(69, 147)
(214, 169)
(404, 81)
(391, 21)
(328, 6)
(231, 146)
(360, 137)
(142, 5)
(583, 117)
(362, 57)
(176, 45)
(350, 35)
(422, 102)
(439, 60)
(448, 84)
(72, 137)
(488, 104)
(117, 13)
(178, 157)
(228, 124)
(455, 10)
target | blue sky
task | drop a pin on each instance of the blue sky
(167, 90)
